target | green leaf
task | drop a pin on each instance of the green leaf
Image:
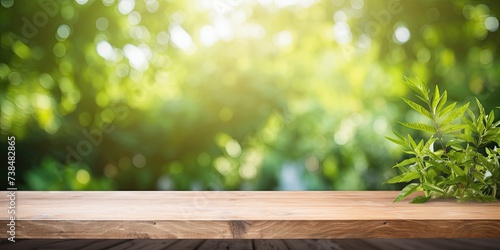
(440, 166)
(432, 187)
(480, 125)
(456, 144)
(453, 128)
(490, 119)
(455, 180)
(448, 109)
(424, 88)
(419, 126)
(409, 189)
(442, 102)
(404, 177)
(420, 199)
(419, 88)
(470, 124)
(496, 124)
(458, 171)
(471, 115)
(435, 99)
(455, 114)
(490, 137)
(413, 144)
(406, 162)
(481, 108)
(466, 137)
(417, 107)
(479, 177)
(399, 142)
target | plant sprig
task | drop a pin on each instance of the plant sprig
(465, 163)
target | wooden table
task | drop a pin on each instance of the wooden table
(243, 215)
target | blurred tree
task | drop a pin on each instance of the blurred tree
(219, 94)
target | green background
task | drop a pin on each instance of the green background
(228, 94)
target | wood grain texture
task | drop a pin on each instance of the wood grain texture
(226, 244)
(244, 215)
(269, 245)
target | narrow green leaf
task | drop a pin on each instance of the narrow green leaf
(406, 162)
(419, 88)
(452, 128)
(456, 143)
(399, 142)
(479, 177)
(432, 187)
(481, 108)
(420, 199)
(413, 144)
(417, 107)
(440, 166)
(490, 137)
(448, 109)
(496, 124)
(419, 126)
(442, 102)
(490, 119)
(455, 114)
(455, 180)
(479, 124)
(470, 124)
(404, 177)
(471, 115)
(409, 189)
(423, 87)
(467, 137)
(435, 99)
(458, 171)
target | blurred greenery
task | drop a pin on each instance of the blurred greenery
(229, 94)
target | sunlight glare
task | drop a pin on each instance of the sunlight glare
(126, 6)
(105, 50)
(208, 35)
(137, 56)
(179, 37)
(402, 35)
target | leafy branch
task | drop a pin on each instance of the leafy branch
(459, 160)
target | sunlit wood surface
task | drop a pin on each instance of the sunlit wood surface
(244, 215)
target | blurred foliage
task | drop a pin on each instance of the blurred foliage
(229, 95)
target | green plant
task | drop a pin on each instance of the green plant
(461, 157)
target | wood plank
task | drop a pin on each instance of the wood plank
(144, 244)
(101, 244)
(338, 244)
(186, 245)
(430, 244)
(354, 244)
(244, 215)
(311, 244)
(51, 244)
(226, 244)
(269, 245)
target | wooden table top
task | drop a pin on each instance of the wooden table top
(244, 215)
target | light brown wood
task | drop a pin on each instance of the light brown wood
(244, 215)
